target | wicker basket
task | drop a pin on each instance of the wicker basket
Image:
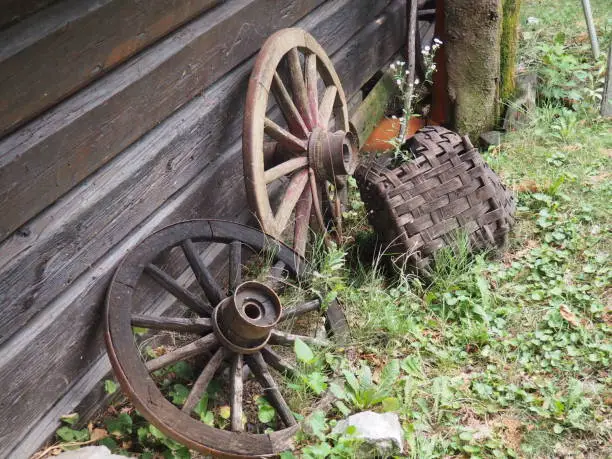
(420, 206)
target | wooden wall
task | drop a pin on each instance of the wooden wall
(118, 117)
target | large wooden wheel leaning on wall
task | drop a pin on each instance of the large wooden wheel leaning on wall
(296, 164)
(236, 324)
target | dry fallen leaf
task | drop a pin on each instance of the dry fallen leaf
(568, 316)
(526, 185)
(98, 434)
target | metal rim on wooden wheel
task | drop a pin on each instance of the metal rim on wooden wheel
(304, 148)
(233, 326)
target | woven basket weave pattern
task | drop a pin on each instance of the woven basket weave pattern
(419, 206)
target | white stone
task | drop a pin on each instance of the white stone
(380, 431)
(90, 452)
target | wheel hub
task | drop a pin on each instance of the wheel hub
(243, 322)
(331, 153)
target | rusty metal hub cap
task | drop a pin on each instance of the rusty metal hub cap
(296, 148)
(244, 321)
(331, 154)
(222, 323)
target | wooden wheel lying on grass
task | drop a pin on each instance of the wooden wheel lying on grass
(306, 150)
(238, 324)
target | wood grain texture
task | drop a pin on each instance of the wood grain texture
(12, 11)
(58, 51)
(40, 262)
(49, 156)
(75, 244)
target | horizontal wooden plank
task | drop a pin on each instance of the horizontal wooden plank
(48, 356)
(38, 263)
(12, 11)
(59, 353)
(49, 156)
(58, 51)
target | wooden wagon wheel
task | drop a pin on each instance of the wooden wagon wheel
(238, 324)
(307, 149)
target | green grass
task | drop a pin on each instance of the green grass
(511, 357)
(504, 357)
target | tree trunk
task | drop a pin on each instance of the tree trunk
(509, 42)
(473, 32)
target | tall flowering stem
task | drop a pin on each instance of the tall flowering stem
(411, 51)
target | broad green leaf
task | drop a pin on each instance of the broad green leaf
(110, 387)
(342, 408)
(391, 404)
(121, 425)
(303, 352)
(351, 380)
(391, 373)
(337, 390)
(225, 411)
(70, 435)
(318, 424)
(70, 419)
(179, 394)
(317, 381)
(265, 411)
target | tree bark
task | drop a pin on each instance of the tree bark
(509, 42)
(473, 32)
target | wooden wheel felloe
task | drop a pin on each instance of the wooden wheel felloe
(306, 150)
(237, 323)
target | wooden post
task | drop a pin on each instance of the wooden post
(472, 50)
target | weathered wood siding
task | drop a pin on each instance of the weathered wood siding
(115, 121)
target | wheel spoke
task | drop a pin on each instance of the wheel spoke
(290, 111)
(317, 205)
(235, 265)
(302, 220)
(298, 87)
(236, 393)
(334, 206)
(303, 308)
(260, 370)
(198, 347)
(277, 362)
(288, 339)
(294, 191)
(284, 137)
(285, 168)
(310, 66)
(327, 106)
(211, 288)
(181, 293)
(274, 279)
(203, 380)
(178, 324)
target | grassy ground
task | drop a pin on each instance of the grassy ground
(501, 357)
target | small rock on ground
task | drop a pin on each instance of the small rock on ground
(382, 432)
(89, 452)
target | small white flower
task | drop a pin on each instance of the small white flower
(424, 51)
(433, 66)
(427, 48)
(437, 41)
(392, 66)
(416, 81)
(407, 72)
(399, 82)
(402, 63)
(398, 62)
(394, 117)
